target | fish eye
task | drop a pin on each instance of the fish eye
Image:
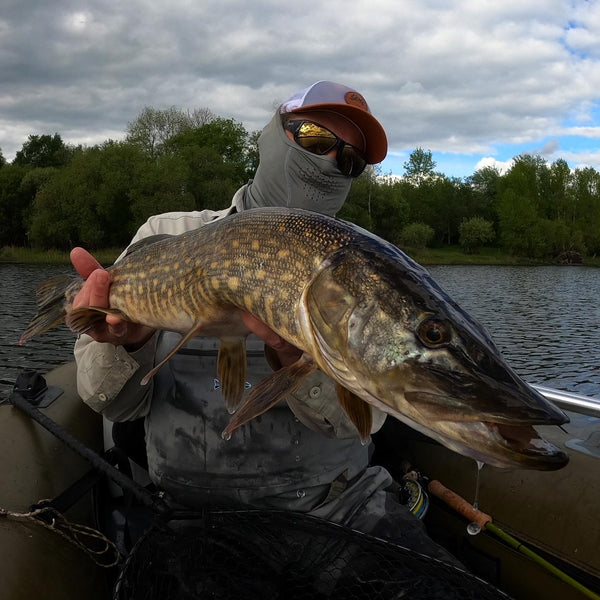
(433, 333)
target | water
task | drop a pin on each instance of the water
(17, 307)
(545, 320)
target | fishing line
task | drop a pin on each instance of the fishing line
(483, 520)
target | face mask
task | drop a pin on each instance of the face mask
(291, 176)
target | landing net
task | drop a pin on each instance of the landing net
(249, 555)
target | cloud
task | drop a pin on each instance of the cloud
(463, 76)
(489, 161)
(550, 148)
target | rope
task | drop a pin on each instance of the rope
(94, 544)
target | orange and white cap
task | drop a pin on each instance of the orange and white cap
(327, 95)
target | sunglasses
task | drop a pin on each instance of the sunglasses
(319, 140)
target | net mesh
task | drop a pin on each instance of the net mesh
(264, 554)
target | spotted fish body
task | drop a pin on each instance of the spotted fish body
(359, 309)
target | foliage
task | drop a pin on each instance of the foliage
(380, 208)
(13, 202)
(474, 233)
(43, 151)
(214, 155)
(419, 166)
(55, 196)
(153, 128)
(416, 235)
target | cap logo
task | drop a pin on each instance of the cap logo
(355, 99)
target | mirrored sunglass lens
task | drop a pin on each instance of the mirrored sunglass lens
(309, 129)
(315, 138)
(317, 145)
(350, 163)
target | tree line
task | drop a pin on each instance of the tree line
(54, 195)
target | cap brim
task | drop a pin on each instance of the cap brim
(373, 131)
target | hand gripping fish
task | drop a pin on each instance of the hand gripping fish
(359, 309)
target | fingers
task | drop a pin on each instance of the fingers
(98, 284)
(264, 332)
(84, 262)
(95, 292)
(287, 353)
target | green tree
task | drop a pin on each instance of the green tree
(216, 155)
(162, 187)
(449, 200)
(252, 155)
(585, 208)
(376, 205)
(419, 166)
(416, 235)
(13, 204)
(89, 201)
(484, 187)
(2, 159)
(43, 151)
(474, 233)
(560, 192)
(227, 137)
(153, 127)
(519, 204)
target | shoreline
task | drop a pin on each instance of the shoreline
(448, 255)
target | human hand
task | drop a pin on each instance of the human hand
(286, 352)
(95, 292)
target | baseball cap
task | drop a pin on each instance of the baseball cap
(327, 95)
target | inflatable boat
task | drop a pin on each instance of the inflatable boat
(69, 507)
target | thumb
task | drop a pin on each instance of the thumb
(84, 262)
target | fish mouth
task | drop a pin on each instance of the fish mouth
(505, 438)
(505, 446)
(530, 447)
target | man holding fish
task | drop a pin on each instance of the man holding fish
(345, 328)
(302, 455)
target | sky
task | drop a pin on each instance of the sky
(476, 82)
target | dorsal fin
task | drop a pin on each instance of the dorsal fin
(147, 241)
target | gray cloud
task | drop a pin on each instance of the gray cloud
(459, 76)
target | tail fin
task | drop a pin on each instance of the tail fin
(52, 305)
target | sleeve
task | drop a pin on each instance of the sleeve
(109, 378)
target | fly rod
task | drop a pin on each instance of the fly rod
(467, 510)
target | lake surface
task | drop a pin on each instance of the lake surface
(545, 320)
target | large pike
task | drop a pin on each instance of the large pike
(358, 307)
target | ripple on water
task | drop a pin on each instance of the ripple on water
(16, 310)
(544, 320)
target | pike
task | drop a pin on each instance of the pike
(360, 310)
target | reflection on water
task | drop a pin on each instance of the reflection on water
(544, 320)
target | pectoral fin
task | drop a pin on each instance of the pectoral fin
(193, 332)
(231, 367)
(270, 391)
(358, 411)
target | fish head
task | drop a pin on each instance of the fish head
(387, 332)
